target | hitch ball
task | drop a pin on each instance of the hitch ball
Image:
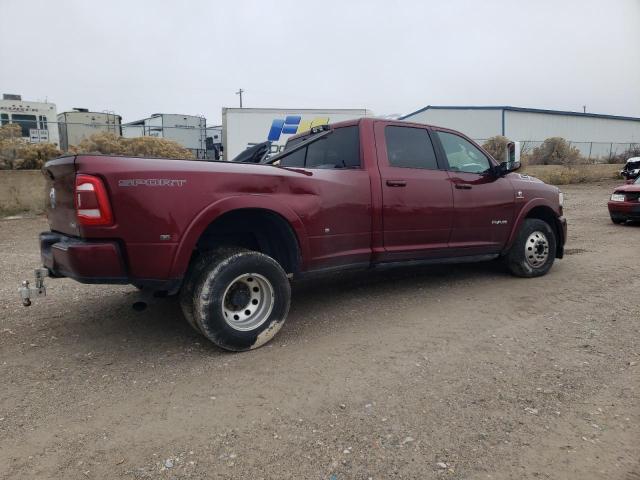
(27, 291)
(26, 301)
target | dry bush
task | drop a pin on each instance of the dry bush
(555, 151)
(111, 144)
(497, 146)
(632, 151)
(18, 154)
(12, 131)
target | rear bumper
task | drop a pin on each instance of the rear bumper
(100, 261)
(84, 261)
(624, 210)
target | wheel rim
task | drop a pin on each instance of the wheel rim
(247, 302)
(536, 249)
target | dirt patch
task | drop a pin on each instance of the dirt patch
(458, 372)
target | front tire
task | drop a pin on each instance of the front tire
(618, 220)
(241, 299)
(534, 249)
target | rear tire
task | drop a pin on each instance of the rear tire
(534, 249)
(189, 285)
(241, 298)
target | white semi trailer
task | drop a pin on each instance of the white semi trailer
(245, 127)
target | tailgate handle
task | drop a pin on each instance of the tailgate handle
(463, 186)
(396, 183)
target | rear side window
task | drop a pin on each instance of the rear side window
(340, 149)
(295, 159)
(409, 147)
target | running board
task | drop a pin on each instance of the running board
(435, 261)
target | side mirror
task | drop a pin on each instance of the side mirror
(512, 154)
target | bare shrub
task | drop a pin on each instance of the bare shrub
(632, 151)
(18, 154)
(556, 151)
(496, 146)
(111, 144)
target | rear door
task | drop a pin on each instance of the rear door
(333, 198)
(483, 203)
(417, 198)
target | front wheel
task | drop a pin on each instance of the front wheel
(534, 249)
(241, 299)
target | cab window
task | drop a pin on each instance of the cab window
(462, 155)
(409, 147)
(339, 149)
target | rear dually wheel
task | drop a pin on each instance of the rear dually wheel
(240, 299)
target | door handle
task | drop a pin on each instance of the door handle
(463, 186)
(396, 183)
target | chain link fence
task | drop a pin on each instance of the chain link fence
(592, 152)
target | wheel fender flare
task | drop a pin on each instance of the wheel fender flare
(225, 205)
(524, 211)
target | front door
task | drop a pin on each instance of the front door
(483, 203)
(417, 195)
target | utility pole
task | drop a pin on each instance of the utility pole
(239, 92)
(584, 109)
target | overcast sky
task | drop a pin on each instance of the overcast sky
(143, 57)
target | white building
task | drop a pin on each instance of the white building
(79, 124)
(190, 131)
(594, 134)
(36, 119)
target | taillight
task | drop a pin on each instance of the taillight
(92, 202)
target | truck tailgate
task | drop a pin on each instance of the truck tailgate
(59, 195)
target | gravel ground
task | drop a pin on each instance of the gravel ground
(449, 372)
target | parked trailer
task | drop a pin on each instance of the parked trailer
(187, 130)
(80, 123)
(245, 127)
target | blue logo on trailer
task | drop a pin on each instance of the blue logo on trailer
(287, 126)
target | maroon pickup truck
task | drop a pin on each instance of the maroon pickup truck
(228, 237)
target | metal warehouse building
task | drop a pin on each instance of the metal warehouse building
(594, 134)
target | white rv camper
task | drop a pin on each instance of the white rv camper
(80, 123)
(187, 130)
(37, 120)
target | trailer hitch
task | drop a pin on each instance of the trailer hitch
(27, 292)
